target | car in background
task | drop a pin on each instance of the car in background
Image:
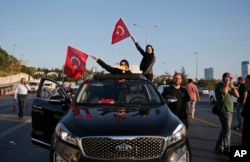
(203, 91)
(111, 118)
(162, 87)
(33, 85)
(212, 97)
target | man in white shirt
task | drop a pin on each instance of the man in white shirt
(21, 95)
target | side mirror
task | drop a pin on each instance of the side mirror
(170, 99)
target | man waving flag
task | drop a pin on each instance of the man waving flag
(120, 32)
(75, 63)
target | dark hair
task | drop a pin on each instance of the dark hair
(248, 76)
(240, 78)
(149, 45)
(225, 75)
(190, 80)
(126, 62)
(177, 74)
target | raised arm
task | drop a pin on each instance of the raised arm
(137, 45)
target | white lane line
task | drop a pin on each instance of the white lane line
(216, 125)
(23, 121)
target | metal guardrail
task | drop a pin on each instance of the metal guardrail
(8, 89)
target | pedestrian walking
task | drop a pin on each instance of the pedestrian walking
(21, 94)
(148, 59)
(223, 92)
(240, 101)
(194, 96)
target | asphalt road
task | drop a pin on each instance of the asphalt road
(15, 142)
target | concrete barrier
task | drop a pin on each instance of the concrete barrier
(9, 84)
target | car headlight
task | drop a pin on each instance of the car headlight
(177, 135)
(62, 132)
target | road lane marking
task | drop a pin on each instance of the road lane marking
(24, 122)
(216, 125)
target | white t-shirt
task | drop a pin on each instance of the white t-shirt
(22, 89)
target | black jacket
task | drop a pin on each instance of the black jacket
(112, 70)
(246, 109)
(147, 61)
(179, 108)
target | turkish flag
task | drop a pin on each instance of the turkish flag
(75, 63)
(120, 32)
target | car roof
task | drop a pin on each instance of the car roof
(117, 76)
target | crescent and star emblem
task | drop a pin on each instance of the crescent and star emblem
(76, 63)
(120, 30)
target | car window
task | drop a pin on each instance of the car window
(113, 92)
(49, 89)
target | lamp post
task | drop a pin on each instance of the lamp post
(146, 30)
(12, 62)
(196, 75)
(20, 65)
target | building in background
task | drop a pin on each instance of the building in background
(209, 73)
(245, 68)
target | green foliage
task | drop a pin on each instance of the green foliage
(209, 84)
(5, 60)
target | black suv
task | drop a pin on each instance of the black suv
(111, 118)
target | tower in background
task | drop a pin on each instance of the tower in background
(245, 68)
(209, 73)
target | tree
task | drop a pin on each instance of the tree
(184, 76)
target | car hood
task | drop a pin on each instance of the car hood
(119, 121)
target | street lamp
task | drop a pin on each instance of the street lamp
(12, 61)
(146, 30)
(20, 65)
(196, 66)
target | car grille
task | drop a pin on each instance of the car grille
(138, 148)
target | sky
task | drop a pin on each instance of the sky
(217, 30)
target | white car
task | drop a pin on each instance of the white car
(162, 87)
(213, 98)
(203, 91)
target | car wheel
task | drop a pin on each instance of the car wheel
(212, 100)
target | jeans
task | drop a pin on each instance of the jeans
(224, 139)
(238, 112)
(22, 99)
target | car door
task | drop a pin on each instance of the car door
(49, 105)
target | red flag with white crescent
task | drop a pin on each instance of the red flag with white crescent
(75, 63)
(120, 32)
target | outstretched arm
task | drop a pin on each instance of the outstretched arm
(137, 45)
(103, 64)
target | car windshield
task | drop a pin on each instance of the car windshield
(111, 91)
